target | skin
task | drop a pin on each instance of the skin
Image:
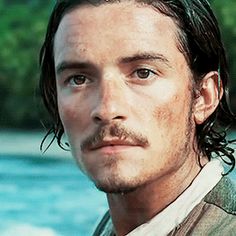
(125, 101)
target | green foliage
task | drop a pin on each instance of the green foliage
(22, 28)
(226, 11)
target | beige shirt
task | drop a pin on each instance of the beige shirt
(165, 221)
(207, 207)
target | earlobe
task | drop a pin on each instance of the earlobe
(208, 97)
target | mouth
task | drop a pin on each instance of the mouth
(113, 145)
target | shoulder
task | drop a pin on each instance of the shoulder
(223, 196)
(207, 219)
(220, 208)
(214, 215)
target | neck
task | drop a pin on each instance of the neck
(130, 210)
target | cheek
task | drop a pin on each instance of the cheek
(172, 109)
(165, 115)
(165, 102)
(172, 127)
(167, 92)
(174, 98)
(71, 113)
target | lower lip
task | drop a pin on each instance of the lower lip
(114, 149)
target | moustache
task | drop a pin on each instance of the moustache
(114, 131)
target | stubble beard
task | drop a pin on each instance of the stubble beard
(115, 183)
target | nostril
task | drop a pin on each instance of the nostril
(97, 119)
(118, 118)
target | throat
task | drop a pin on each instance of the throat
(130, 210)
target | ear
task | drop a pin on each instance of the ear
(208, 97)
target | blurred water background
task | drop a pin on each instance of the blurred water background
(46, 195)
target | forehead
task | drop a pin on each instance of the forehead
(118, 27)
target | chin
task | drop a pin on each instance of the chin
(118, 183)
(115, 189)
(116, 174)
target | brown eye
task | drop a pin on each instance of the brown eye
(77, 80)
(143, 73)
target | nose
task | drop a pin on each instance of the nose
(111, 103)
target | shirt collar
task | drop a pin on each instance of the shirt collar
(165, 221)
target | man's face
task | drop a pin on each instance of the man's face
(124, 94)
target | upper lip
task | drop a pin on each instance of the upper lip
(114, 142)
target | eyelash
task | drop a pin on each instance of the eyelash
(150, 73)
(134, 75)
(71, 80)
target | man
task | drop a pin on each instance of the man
(140, 90)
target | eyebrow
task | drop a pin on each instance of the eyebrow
(67, 65)
(145, 57)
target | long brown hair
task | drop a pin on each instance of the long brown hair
(199, 40)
